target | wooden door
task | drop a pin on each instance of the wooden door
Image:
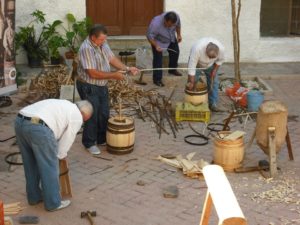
(124, 17)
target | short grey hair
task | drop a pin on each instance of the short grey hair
(85, 107)
(211, 47)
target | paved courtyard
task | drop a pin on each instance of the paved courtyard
(110, 187)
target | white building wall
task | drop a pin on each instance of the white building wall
(54, 10)
(202, 18)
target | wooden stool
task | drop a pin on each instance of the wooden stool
(64, 179)
(220, 194)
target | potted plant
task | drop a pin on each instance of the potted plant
(54, 43)
(34, 42)
(76, 32)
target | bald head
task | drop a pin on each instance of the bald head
(86, 109)
(212, 50)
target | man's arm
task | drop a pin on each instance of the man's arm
(178, 32)
(214, 70)
(155, 45)
(151, 34)
(115, 62)
(66, 140)
(100, 75)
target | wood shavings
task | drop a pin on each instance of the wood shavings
(283, 191)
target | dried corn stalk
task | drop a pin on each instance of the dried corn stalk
(49, 81)
(189, 168)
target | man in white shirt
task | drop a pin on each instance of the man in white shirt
(207, 54)
(45, 132)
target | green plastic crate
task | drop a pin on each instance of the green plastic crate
(186, 111)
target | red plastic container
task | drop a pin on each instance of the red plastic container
(1, 213)
(238, 94)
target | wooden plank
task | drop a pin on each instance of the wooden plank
(272, 151)
(64, 179)
(206, 210)
(289, 145)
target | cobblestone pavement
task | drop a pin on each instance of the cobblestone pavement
(110, 187)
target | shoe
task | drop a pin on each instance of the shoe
(63, 204)
(159, 83)
(102, 144)
(94, 150)
(35, 203)
(215, 108)
(175, 73)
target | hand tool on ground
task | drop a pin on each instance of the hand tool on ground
(262, 165)
(29, 219)
(140, 80)
(89, 215)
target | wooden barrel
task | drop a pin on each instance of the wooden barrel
(120, 135)
(271, 114)
(198, 96)
(228, 153)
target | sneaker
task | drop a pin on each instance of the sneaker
(63, 204)
(94, 150)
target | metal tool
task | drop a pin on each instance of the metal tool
(262, 165)
(89, 215)
(140, 80)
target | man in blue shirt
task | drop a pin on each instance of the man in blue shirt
(161, 35)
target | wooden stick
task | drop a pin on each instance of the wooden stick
(272, 151)
(12, 204)
(289, 144)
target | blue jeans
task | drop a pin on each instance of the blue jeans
(94, 130)
(213, 96)
(38, 148)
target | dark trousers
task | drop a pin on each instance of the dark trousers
(158, 60)
(94, 130)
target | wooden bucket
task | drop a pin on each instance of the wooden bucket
(198, 96)
(120, 135)
(228, 153)
(271, 114)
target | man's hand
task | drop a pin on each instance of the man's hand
(118, 75)
(133, 70)
(213, 73)
(179, 38)
(190, 86)
(158, 48)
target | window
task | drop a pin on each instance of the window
(279, 18)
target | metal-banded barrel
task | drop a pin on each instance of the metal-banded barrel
(197, 96)
(228, 153)
(120, 135)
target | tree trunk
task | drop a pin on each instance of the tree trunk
(236, 39)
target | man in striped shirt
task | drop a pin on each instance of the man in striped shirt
(95, 59)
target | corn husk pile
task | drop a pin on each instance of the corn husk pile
(189, 167)
(49, 81)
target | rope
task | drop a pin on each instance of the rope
(169, 68)
(11, 162)
(197, 135)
